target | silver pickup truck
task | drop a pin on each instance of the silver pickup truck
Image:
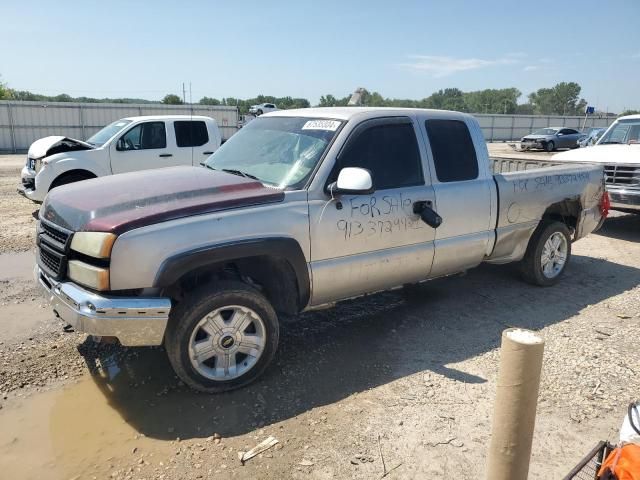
(298, 210)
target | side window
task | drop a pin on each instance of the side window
(454, 154)
(191, 133)
(390, 152)
(144, 136)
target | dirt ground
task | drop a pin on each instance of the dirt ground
(401, 382)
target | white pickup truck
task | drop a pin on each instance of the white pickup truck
(618, 150)
(126, 145)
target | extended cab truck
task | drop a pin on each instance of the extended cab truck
(126, 145)
(298, 210)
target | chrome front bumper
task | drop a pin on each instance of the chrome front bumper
(624, 199)
(135, 321)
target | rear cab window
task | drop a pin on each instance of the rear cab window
(454, 155)
(191, 133)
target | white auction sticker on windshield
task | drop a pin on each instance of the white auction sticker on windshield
(329, 125)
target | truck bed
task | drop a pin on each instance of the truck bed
(529, 190)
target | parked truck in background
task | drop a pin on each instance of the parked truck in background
(126, 145)
(298, 210)
(618, 151)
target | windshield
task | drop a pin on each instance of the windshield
(622, 131)
(545, 131)
(278, 151)
(100, 138)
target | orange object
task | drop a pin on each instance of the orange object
(623, 463)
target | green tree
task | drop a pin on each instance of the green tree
(331, 101)
(5, 92)
(562, 99)
(447, 99)
(171, 99)
(630, 112)
(209, 101)
(524, 109)
(503, 100)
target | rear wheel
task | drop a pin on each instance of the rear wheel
(550, 146)
(222, 337)
(547, 255)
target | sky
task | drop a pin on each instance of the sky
(402, 49)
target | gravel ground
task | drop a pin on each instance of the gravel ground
(402, 380)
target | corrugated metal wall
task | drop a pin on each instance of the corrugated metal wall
(21, 123)
(514, 127)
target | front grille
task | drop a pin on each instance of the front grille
(622, 175)
(53, 247)
(55, 233)
(51, 260)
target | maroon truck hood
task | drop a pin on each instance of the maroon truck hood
(119, 203)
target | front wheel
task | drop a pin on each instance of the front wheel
(547, 255)
(222, 337)
(550, 147)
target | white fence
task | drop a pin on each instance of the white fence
(513, 127)
(21, 123)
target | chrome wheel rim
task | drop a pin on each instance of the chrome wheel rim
(227, 343)
(554, 255)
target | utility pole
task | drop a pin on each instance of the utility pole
(184, 94)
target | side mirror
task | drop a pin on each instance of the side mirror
(559, 134)
(120, 146)
(353, 180)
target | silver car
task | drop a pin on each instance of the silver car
(552, 138)
(592, 136)
(258, 110)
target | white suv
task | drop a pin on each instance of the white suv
(126, 145)
(258, 110)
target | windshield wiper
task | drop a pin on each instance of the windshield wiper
(232, 171)
(608, 143)
(240, 172)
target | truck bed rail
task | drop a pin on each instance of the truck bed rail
(505, 165)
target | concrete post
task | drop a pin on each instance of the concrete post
(515, 405)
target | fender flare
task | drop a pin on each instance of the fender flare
(176, 266)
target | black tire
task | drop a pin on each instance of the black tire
(259, 112)
(67, 178)
(531, 265)
(550, 146)
(186, 315)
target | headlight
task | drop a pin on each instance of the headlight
(37, 165)
(93, 244)
(88, 275)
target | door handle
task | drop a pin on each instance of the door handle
(207, 153)
(427, 214)
(164, 155)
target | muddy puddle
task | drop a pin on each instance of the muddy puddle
(75, 431)
(129, 412)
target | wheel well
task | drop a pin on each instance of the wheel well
(567, 211)
(273, 276)
(72, 175)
